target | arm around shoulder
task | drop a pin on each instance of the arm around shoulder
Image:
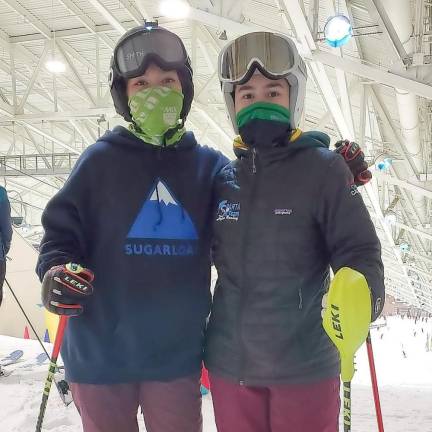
(348, 230)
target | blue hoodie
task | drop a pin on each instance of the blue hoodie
(139, 217)
(5, 224)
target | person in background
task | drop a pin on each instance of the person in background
(5, 235)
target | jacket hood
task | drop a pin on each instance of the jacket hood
(298, 141)
(120, 136)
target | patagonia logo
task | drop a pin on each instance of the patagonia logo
(282, 212)
(228, 211)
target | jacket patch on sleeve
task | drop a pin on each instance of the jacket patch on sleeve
(228, 211)
(354, 190)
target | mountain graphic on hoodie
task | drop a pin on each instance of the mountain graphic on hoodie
(162, 217)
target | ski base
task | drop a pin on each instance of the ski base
(63, 386)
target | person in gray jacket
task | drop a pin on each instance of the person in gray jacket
(287, 210)
(5, 235)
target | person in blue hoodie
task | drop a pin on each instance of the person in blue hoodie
(288, 210)
(5, 235)
(126, 250)
(134, 214)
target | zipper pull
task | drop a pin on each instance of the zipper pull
(300, 306)
(254, 152)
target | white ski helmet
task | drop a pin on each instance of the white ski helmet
(275, 56)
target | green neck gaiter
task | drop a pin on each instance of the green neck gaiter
(263, 111)
(264, 124)
(156, 111)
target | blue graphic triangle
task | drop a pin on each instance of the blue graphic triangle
(162, 217)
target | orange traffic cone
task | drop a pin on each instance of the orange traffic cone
(26, 333)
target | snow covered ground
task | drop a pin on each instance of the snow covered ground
(403, 365)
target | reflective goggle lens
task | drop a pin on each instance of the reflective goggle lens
(133, 51)
(272, 52)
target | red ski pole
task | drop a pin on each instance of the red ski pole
(53, 366)
(374, 383)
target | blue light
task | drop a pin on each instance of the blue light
(337, 31)
(385, 164)
(404, 247)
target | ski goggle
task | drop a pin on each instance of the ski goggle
(133, 54)
(272, 53)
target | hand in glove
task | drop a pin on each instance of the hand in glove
(65, 289)
(354, 157)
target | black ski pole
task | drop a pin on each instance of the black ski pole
(53, 366)
(347, 406)
(27, 318)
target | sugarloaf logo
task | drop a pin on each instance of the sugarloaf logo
(162, 227)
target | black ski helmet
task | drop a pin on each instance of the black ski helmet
(118, 80)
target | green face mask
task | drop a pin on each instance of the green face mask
(155, 111)
(263, 124)
(263, 111)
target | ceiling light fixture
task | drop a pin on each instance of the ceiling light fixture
(176, 9)
(55, 66)
(337, 31)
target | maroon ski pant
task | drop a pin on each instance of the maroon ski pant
(312, 407)
(173, 406)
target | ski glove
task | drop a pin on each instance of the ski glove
(65, 289)
(355, 159)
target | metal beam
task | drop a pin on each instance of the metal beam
(37, 147)
(384, 116)
(31, 189)
(62, 115)
(78, 31)
(142, 8)
(81, 132)
(77, 76)
(6, 109)
(79, 14)
(32, 20)
(76, 55)
(416, 231)
(222, 23)
(132, 12)
(419, 256)
(108, 16)
(203, 111)
(379, 14)
(27, 57)
(13, 75)
(30, 85)
(50, 137)
(373, 73)
(403, 184)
